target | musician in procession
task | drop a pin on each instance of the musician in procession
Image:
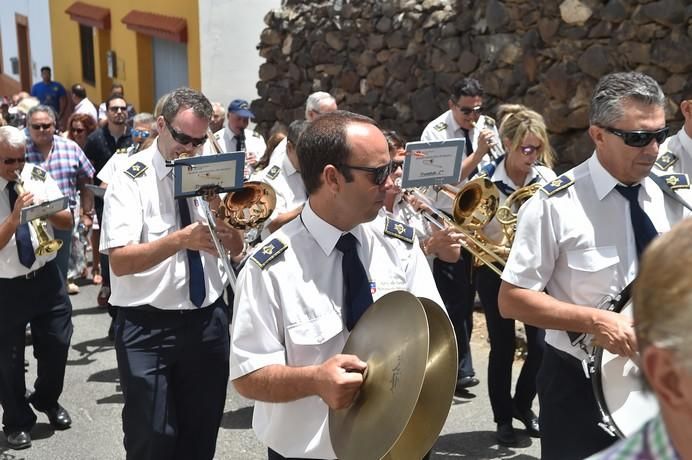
(527, 161)
(675, 154)
(167, 283)
(579, 239)
(32, 292)
(293, 311)
(662, 318)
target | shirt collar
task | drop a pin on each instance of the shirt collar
(323, 232)
(604, 182)
(287, 166)
(685, 142)
(501, 175)
(659, 442)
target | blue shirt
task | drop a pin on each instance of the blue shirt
(49, 94)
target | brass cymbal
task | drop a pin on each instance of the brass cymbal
(393, 337)
(437, 392)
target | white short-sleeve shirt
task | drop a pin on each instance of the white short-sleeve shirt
(41, 184)
(290, 313)
(143, 209)
(578, 243)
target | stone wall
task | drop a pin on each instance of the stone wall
(396, 60)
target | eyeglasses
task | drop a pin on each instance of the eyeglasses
(469, 110)
(117, 108)
(184, 139)
(529, 149)
(77, 130)
(41, 126)
(380, 173)
(140, 133)
(11, 161)
(640, 138)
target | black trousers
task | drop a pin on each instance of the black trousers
(453, 281)
(502, 348)
(42, 303)
(569, 413)
(174, 371)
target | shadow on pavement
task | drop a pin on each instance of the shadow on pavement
(240, 419)
(479, 445)
(112, 399)
(88, 349)
(105, 376)
(90, 311)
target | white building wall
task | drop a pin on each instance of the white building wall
(40, 44)
(229, 59)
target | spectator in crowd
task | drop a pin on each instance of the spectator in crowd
(50, 93)
(81, 102)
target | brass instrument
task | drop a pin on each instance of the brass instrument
(496, 150)
(475, 204)
(507, 213)
(46, 245)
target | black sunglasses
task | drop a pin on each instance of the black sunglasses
(469, 110)
(43, 126)
(380, 173)
(117, 108)
(11, 161)
(640, 138)
(184, 139)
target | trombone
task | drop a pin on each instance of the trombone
(474, 206)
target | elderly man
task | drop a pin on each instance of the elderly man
(81, 102)
(662, 321)
(578, 240)
(217, 117)
(68, 165)
(167, 286)
(33, 292)
(300, 295)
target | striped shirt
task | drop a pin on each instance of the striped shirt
(651, 442)
(66, 163)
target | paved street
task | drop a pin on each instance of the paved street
(92, 396)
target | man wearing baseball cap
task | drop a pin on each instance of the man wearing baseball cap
(237, 137)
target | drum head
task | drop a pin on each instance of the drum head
(619, 390)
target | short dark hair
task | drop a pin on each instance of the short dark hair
(45, 67)
(186, 98)
(113, 97)
(79, 91)
(394, 140)
(686, 93)
(295, 129)
(469, 87)
(324, 143)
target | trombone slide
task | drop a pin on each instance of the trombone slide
(223, 255)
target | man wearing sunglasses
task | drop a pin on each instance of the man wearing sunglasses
(675, 155)
(578, 240)
(168, 288)
(32, 292)
(293, 309)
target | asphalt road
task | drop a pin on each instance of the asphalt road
(92, 396)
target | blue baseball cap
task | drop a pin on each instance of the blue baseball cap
(241, 108)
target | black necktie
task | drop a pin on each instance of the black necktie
(644, 230)
(197, 289)
(239, 142)
(22, 236)
(469, 150)
(356, 284)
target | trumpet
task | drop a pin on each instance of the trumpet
(496, 151)
(475, 204)
(46, 245)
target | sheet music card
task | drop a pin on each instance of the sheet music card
(219, 173)
(45, 209)
(433, 163)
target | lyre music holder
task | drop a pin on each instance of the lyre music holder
(200, 175)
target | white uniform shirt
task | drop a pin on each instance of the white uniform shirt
(288, 186)
(43, 190)
(118, 162)
(141, 210)
(538, 174)
(278, 154)
(289, 313)
(254, 143)
(579, 243)
(680, 146)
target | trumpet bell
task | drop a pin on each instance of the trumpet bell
(476, 203)
(248, 207)
(48, 247)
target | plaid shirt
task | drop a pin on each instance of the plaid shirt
(66, 164)
(651, 442)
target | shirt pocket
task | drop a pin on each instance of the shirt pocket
(307, 339)
(593, 271)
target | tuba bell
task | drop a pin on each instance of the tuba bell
(248, 207)
(46, 245)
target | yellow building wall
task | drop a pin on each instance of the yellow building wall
(133, 50)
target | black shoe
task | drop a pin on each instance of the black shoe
(19, 440)
(59, 418)
(530, 421)
(505, 434)
(467, 382)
